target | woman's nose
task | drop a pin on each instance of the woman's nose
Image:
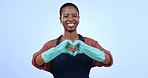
(70, 19)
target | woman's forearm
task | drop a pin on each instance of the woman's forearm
(107, 59)
(38, 60)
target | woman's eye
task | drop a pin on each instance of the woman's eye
(74, 15)
(66, 16)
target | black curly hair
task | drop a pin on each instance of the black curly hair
(68, 4)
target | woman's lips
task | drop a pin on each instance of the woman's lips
(71, 24)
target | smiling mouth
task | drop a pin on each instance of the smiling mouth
(71, 25)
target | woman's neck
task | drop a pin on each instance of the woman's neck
(70, 35)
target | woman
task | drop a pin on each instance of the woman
(71, 55)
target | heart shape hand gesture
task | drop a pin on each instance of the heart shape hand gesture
(63, 46)
(90, 51)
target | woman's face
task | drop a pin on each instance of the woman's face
(69, 18)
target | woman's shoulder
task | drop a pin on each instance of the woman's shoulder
(89, 41)
(51, 42)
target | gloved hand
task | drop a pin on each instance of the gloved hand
(55, 51)
(90, 51)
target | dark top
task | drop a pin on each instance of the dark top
(67, 66)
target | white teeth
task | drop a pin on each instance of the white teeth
(70, 24)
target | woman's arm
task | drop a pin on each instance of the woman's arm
(108, 57)
(37, 60)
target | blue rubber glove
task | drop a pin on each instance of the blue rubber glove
(90, 51)
(50, 54)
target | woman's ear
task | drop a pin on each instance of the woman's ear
(60, 20)
(79, 18)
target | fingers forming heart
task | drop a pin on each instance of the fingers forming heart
(74, 47)
(71, 44)
(74, 44)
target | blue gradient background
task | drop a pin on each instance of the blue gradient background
(120, 26)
